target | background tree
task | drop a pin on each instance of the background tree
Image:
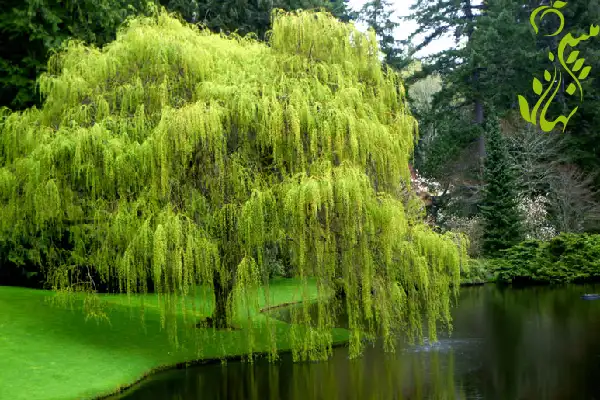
(546, 176)
(459, 67)
(31, 30)
(478, 68)
(376, 14)
(247, 16)
(485, 64)
(502, 222)
(170, 159)
(573, 200)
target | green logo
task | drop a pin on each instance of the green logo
(530, 115)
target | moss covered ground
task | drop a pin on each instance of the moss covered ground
(49, 352)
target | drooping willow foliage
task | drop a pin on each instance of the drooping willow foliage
(171, 158)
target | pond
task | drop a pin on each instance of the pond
(533, 343)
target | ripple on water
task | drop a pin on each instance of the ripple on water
(443, 345)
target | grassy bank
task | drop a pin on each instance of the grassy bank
(48, 352)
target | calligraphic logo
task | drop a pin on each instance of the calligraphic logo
(556, 79)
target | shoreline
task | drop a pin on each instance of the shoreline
(52, 352)
(89, 360)
(121, 391)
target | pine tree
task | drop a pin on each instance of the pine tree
(502, 226)
(488, 68)
(377, 15)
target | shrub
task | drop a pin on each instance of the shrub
(478, 270)
(565, 258)
(517, 262)
(535, 214)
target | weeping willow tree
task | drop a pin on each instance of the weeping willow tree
(170, 159)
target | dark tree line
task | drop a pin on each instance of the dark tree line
(30, 30)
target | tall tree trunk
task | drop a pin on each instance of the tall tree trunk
(477, 101)
(479, 121)
(478, 106)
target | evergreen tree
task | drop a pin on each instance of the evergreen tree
(377, 15)
(31, 29)
(458, 109)
(502, 226)
(170, 159)
(491, 68)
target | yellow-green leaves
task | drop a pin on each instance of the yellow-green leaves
(180, 156)
(159, 256)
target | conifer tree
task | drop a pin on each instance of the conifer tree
(169, 160)
(377, 15)
(502, 222)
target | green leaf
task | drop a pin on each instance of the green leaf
(572, 57)
(571, 89)
(524, 107)
(584, 72)
(537, 86)
(547, 76)
(559, 4)
(578, 64)
(551, 56)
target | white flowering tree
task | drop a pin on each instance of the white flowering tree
(535, 212)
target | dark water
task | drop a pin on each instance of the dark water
(534, 343)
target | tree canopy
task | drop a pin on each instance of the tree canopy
(32, 29)
(172, 157)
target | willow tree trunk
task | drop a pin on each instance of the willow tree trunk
(222, 291)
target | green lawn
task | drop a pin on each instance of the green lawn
(49, 352)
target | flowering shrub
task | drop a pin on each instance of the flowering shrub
(423, 185)
(536, 218)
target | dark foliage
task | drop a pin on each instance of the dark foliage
(502, 227)
(565, 258)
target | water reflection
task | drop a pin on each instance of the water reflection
(376, 376)
(537, 343)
